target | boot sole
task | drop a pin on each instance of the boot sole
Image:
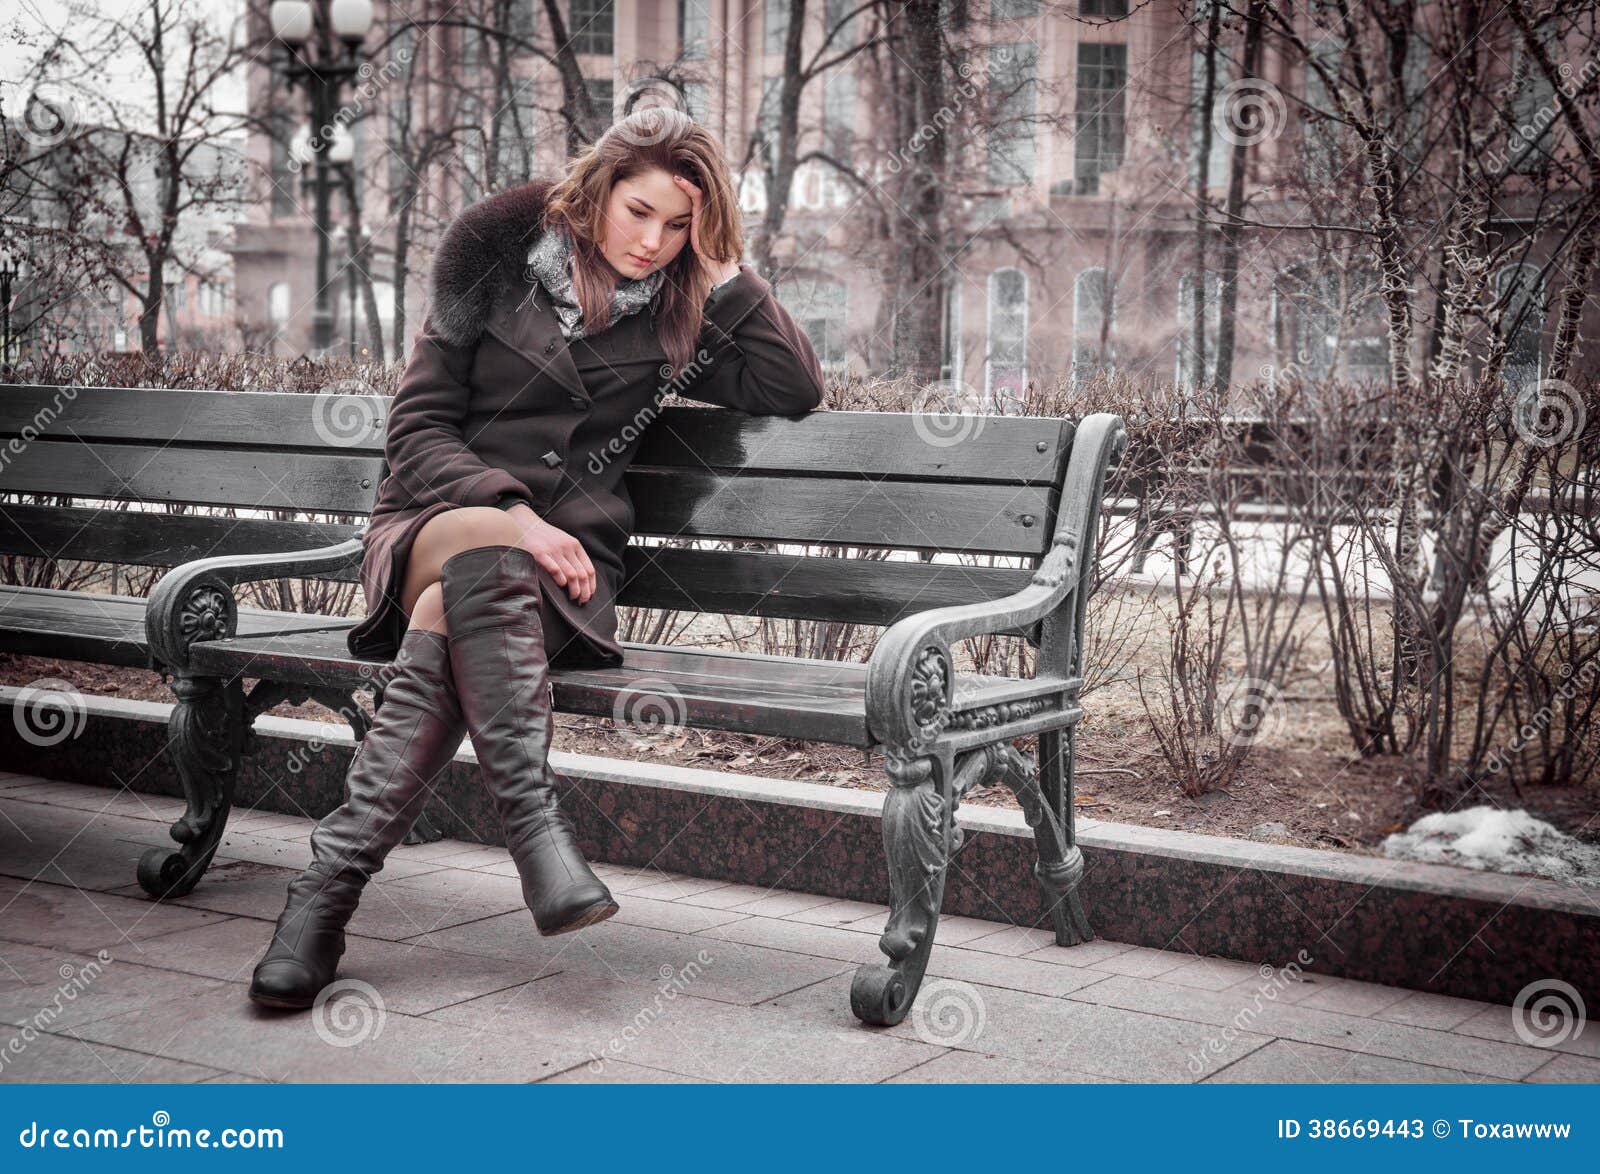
(281, 1004)
(591, 916)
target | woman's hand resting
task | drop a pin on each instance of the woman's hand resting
(556, 551)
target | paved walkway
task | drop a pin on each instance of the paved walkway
(694, 980)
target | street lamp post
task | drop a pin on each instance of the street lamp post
(8, 274)
(323, 71)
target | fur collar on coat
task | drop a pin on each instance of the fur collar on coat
(480, 254)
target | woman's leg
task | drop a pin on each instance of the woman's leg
(498, 653)
(415, 734)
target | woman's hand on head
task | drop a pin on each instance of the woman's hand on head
(556, 551)
(718, 270)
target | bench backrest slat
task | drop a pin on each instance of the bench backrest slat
(888, 482)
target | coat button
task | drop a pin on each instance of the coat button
(550, 347)
(551, 458)
(579, 402)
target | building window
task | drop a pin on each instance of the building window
(278, 311)
(1185, 374)
(1533, 108)
(821, 309)
(1013, 74)
(524, 21)
(1521, 295)
(839, 18)
(839, 111)
(592, 26)
(1102, 84)
(1322, 129)
(694, 22)
(1102, 7)
(1013, 9)
(1093, 321)
(602, 96)
(694, 95)
(777, 24)
(1005, 367)
(767, 118)
(950, 356)
(1330, 324)
(284, 177)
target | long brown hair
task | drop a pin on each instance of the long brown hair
(649, 138)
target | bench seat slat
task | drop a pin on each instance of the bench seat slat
(792, 586)
(109, 629)
(798, 697)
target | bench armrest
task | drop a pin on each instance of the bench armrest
(910, 674)
(194, 602)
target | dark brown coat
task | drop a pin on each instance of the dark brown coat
(491, 408)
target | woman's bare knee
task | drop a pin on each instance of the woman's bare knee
(449, 534)
(428, 612)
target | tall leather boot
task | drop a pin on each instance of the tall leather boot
(414, 735)
(501, 667)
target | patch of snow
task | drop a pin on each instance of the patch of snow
(1494, 840)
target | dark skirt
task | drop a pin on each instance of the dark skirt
(571, 636)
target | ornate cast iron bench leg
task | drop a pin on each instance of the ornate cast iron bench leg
(1060, 864)
(919, 838)
(206, 733)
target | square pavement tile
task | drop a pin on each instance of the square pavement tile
(82, 922)
(692, 1035)
(1039, 1030)
(1441, 1012)
(353, 1038)
(1566, 1069)
(962, 1067)
(1241, 1008)
(714, 969)
(1557, 1032)
(412, 979)
(1292, 1062)
(1354, 997)
(70, 990)
(1141, 961)
(619, 1072)
(392, 911)
(63, 1059)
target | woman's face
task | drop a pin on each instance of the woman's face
(646, 223)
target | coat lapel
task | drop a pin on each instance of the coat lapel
(524, 320)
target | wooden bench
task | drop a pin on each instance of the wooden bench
(1024, 487)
